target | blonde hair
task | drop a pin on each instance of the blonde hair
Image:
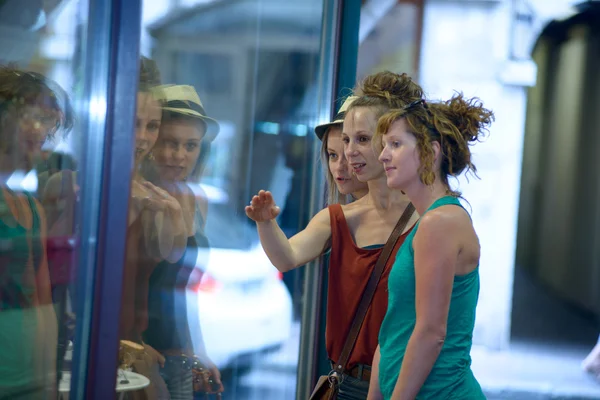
(384, 91)
(333, 194)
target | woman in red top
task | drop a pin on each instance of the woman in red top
(342, 185)
(355, 232)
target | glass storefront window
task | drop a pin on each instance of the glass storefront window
(252, 67)
(41, 148)
(122, 201)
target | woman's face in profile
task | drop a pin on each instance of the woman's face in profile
(345, 181)
(147, 125)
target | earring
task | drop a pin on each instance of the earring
(151, 156)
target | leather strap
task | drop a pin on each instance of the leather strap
(369, 292)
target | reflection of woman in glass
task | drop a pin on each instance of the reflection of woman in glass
(355, 232)
(342, 185)
(180, 154)
(426, 336)
(156, 232)
(57, 189)
(30, 114)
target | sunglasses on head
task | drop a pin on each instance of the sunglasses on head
(416, 103)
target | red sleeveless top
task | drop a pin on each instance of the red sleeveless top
(350, 267)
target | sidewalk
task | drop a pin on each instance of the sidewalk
(525, 372)
(534, 372)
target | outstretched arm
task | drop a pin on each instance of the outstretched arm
(287, 254)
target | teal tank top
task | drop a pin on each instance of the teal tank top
(18, 312)
(451, 376)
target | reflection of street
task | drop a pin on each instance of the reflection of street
(267, 377)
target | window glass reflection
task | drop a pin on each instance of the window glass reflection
(236, 85)
(225, 105)
(35, 244)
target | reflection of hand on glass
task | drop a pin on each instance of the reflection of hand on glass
(160, 200)
(155, 355)
(168, 222)
(137, 201)
(207, 377)
(164, 225)
(216, 385)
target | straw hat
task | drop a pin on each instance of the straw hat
(337, 120)
(184, 99)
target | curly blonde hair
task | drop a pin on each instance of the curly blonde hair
(455, 124)
(20, 89)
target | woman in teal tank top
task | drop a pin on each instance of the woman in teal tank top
(30, 113)
(426, 336)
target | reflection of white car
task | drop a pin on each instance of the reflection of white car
(243, 304)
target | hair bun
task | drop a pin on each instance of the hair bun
(149, 74)
(468, 116)
(391, 87)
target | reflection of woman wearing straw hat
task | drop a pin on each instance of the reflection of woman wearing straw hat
(180, 153)
(156, 232)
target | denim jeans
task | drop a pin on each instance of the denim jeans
(177, 374)
(353, 389)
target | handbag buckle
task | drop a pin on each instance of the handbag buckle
(335, 378)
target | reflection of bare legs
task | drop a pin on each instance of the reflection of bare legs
(591, 363)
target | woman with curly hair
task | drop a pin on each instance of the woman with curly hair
(355, 233)
(425, 338)
(30, 113)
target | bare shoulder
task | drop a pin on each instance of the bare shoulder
(446, 218)
(53, 185)
(202, 203)
(192, 200)
(322, 218)
(446, 224)
(196, 191)
(195, 196)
